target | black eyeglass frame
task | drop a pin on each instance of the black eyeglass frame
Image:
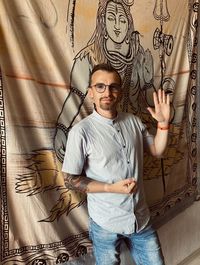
(101, 87)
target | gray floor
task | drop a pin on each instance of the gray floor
(194, 259)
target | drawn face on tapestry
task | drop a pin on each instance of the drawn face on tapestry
(107, 100)
(116, 22)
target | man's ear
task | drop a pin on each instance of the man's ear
(90, 93)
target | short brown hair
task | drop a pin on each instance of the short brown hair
(103, 67)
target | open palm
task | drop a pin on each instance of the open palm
(161, 112)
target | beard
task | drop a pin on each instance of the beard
(108, 105)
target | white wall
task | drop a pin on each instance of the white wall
(180, 237)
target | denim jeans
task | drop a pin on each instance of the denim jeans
(144, 246)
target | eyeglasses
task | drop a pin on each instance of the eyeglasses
(101, 87)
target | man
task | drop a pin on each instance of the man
(108, 147)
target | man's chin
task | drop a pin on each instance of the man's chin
(106, 106)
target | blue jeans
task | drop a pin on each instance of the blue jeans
(144, 246)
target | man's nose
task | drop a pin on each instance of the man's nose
(107, 90)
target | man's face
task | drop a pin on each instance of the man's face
(116, 22)
(107, 100)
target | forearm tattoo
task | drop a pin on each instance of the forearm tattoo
(76, 183)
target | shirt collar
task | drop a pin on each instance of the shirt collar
(99, 117)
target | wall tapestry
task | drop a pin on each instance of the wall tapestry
(47, 50)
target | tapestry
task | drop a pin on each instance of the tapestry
(47, 51)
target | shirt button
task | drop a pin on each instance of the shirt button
(124, 146)
(128, 161)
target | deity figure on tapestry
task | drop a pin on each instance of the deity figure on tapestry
(114, 41)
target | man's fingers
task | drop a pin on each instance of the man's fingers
(128, 185)
(132, 187)
(155, 98)
(128, 181)
(168, 99)
(160, 97)
(151, 111)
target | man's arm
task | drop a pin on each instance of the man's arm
(162, 115)
(87, 185)
(160, 140)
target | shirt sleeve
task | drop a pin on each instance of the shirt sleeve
(148, 138)
(75, 152)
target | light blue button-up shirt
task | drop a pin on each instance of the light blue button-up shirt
(108, 151)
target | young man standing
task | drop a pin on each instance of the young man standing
(108, 146)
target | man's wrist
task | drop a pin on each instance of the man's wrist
(107, 187)
(163, 125)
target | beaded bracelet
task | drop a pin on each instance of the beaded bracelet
(163, 128)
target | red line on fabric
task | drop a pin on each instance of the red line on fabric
(38, 81)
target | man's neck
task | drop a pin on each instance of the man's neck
(109, 114)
